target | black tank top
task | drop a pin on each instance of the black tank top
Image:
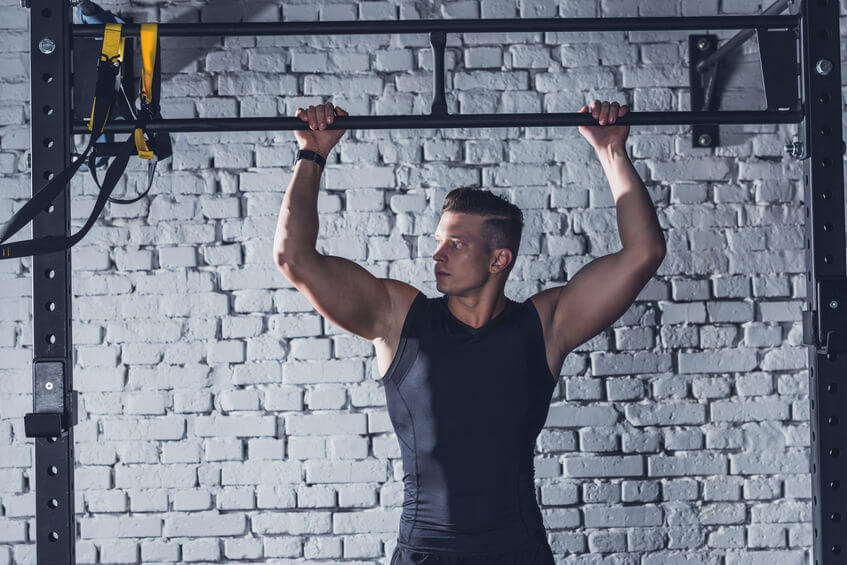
(467, 405)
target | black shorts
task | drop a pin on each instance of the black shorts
(541, 555)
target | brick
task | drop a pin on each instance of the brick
(151, 476)
(727, 360)
(621, 364)
(235, 426)
(201, 550)
(121, 527)
(13, 530)
(202, 524)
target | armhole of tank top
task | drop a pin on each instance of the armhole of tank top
(538, 331)
(401, 346)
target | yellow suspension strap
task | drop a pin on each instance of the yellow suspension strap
(149, 43)
(151, 146)
(108, 85)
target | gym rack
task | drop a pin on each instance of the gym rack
(802, 78)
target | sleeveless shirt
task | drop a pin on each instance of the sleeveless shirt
(466, 405)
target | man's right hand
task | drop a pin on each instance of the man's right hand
(315, 138)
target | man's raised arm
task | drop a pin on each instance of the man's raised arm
(601, 291)
(340, 290)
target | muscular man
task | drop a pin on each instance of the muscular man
(469, 375)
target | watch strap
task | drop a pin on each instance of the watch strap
(311, 155)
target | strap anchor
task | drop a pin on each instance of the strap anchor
(54, 409)
(822, 328)
(154, 147)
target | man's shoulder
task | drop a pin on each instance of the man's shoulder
(401, 296)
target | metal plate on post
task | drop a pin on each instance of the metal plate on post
(832, 314)
(780, 67)
(86, 54)
(48, 385)
(53, 409)
(703, 87)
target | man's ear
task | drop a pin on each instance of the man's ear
(502, 260)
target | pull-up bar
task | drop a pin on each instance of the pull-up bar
(456, 121)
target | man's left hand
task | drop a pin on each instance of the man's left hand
(606, 113)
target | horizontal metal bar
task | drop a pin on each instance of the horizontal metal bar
(484, 25)
(454, 121)
(741, 37)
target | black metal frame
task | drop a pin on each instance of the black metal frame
(54, 401)
(825, 319)
(814, 25)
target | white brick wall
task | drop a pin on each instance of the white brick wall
(223, 419)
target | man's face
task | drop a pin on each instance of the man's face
(460, 252)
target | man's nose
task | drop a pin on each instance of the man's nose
(438, 254)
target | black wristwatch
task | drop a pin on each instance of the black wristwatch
(312, 155)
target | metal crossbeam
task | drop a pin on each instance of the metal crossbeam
(487, 25)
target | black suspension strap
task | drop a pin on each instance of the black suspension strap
(153, 147)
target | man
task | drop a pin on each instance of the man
(469, 376)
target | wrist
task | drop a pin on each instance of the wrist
(323, 153)
(313, 155)
(611, 152)
(308, 164)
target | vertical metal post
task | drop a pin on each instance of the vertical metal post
(53, 399)
(438, 40)
(827, 288)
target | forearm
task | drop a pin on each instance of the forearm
(638, 225)
(297, 226)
